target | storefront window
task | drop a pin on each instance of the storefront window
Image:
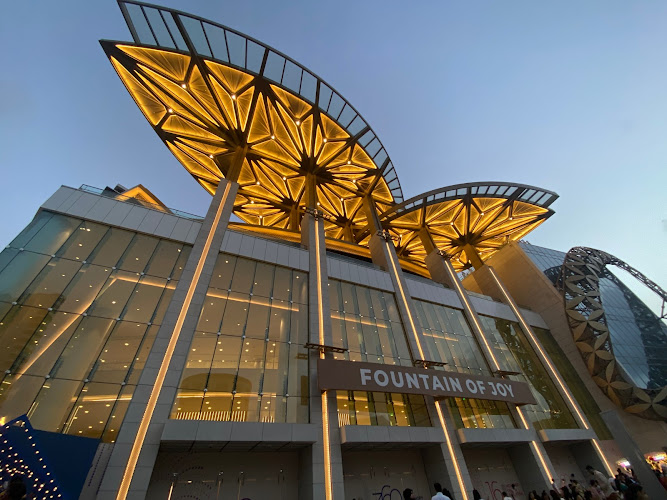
(247, 361)
(79, 307)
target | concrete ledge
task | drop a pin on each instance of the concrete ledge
(194, 435)
(377, 437)
(566, 435)
(495, 437)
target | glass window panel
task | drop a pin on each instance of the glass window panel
(236, 46)
(258, 318)
(114, 295)
(175, 33)
(140, 24)
(53, 404)
(216, 39)
(282, 283)
(31, 230)
(117, 414)
(82, 290)
(160, 30)
(187, 405)
(202, 349)
(244, 272)
(111, 247)
(347, 116)
(277, 368)
(164, 302)
(180, 263)
(308, 86)
(16, 328)
(217, 406)
(274, 67)
(225, 364)
(254, 56)
(82, 241)
(292, 76)
(263, 283)
(251, 367)
(236, 313)
(362, 413)
(17, 392)
(298, 332)
(324, 97)
(196, 34)
(142, 355)
(119, 352)
(16, 278)
(223, 272)
(50, 283)
(83, 349)
(336, 105)
(297, 379)
(245, 408)
(279, 321)
(163, 260)
(300, 287)
(138, 253)
(46, 344)
(53, 234)
(144, 299)
(92, 410)
(6, 256)
(212, 311)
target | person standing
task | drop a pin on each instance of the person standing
(475, 495)
(506, 496)
(602, 480)
(408, 494)
(439, 495)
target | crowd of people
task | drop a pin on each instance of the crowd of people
(597, 486)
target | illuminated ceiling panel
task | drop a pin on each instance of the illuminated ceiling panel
(458, 219)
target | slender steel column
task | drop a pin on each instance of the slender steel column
(133, 457)
(326, 454)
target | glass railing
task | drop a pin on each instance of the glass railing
(172, 29)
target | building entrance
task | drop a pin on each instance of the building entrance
(224, 476)
(492, 472)
(383, 475)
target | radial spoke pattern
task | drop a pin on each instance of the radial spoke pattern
(460, 223)
(209, 113)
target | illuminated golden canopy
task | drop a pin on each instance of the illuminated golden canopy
(459, 220)
(230, 107)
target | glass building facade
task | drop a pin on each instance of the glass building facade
(81, 304)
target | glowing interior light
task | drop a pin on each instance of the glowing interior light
(210, 156)
(298, 122)
(234, 96)
(273, 137)
(184, 86)
(455, 461)
(170, 110)
(324, 140)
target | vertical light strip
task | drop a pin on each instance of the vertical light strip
(328, 487)
(549, 473)
(415, 334)
(466, 303)
(162, 373)
(536, 343)
(455, 461)
(610, 471)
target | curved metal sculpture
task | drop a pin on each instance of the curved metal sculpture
(582, 270)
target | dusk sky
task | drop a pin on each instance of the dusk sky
(567, 96)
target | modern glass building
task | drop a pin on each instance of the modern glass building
(283, 344)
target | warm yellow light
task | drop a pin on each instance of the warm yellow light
(610, 471)
(546, 469)
(455, 461)
(327, 449)
(162, 373)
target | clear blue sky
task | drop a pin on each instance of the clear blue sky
(568, 96)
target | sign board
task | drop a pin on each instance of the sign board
(374, 377)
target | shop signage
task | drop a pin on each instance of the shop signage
(374, 377)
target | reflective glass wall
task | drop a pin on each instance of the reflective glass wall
(80, 305)
(367, 323)
(446, 337)
(247, 361)
(515, 354)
